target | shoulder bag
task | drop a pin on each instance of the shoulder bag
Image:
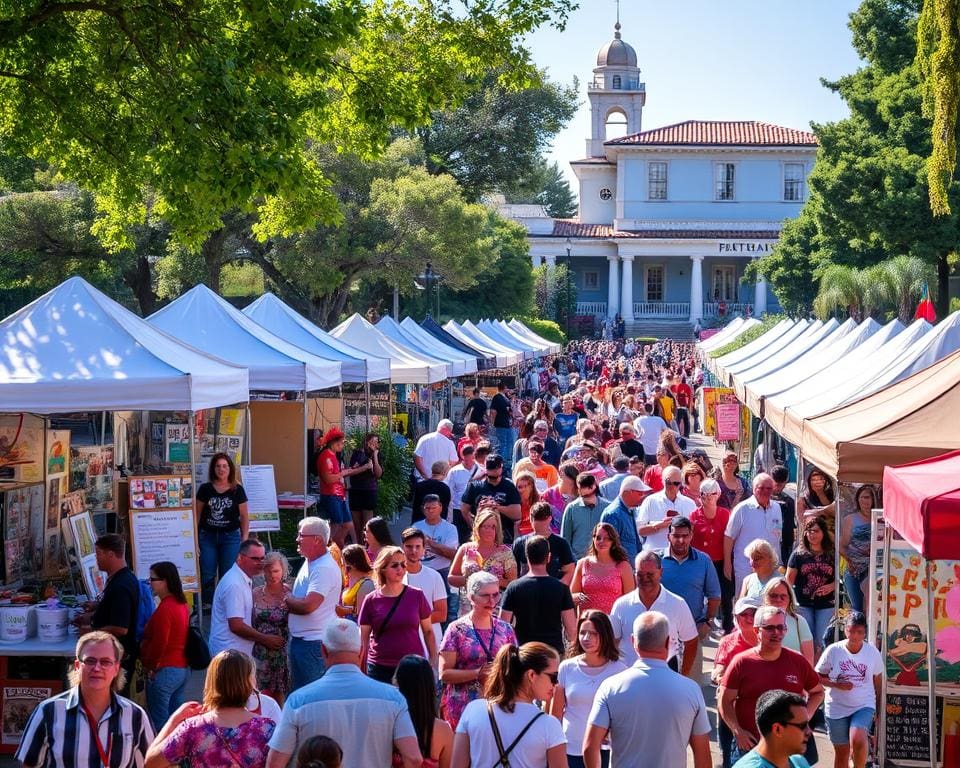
(396, 604)
(504, 761)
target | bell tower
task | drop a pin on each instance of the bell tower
(616, 94)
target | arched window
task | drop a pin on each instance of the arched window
(616, 125)
(616, 82)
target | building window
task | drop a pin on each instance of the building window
(616, 124)
(605, 194)
(793, 182)
(724, 181)
(616, 82)
(724, 287)
(657, 181)
(591, 281)
(655, 283)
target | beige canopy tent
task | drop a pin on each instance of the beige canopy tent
(910, 420)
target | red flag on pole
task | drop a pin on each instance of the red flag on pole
(925, 309)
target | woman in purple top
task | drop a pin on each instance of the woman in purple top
(220, 733)
(392, 618)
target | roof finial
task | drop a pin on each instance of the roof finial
(616, 26)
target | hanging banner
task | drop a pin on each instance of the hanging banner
(728, 421)
(162, 526)
(21, 448)
(713, 396)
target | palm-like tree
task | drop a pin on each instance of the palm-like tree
(906, 278)
(840, 287)
(896, 283)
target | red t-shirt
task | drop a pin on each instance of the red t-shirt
(708, 534)
(731, 645)
(165, 636)
(683, 394)
(750, 676)
(328, 462)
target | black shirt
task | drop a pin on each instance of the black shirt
(560, 554)
(425, 487)
(118, 607)
(536, 603)
(221, 511)
(631, 448)
(551, 451)
(788, 534)
(501, 405)
(505, 493)
(477, 409)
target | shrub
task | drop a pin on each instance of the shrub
(397, 463)
(548, 329)
(747, 336)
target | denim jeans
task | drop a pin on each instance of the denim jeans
(306, 662)
(505, 440)
(165, 692)
(218, 552)
(818, 620)
(854, 591)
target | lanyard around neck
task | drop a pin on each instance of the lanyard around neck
(95, 733)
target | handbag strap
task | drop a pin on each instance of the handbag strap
(396, 604)
(504, 761)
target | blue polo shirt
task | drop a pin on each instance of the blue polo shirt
(621, 517)
(695, 580)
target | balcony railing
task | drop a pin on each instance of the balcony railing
(712, 308)
(592, 308)
(673, 309)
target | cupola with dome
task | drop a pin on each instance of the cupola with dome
(616, 94)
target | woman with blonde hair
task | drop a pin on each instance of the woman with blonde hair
(220, 732)
(779, 594)
(485, 552)
(392, 618)
(508, 715)
(270, 616)
(764, 562)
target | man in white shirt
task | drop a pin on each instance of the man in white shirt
(650, 595)
(312, 602)
(435, 446)
(233, 605)
(648, 429)
(658, 509)
(425, 579)
(758, 517)
(458, 478)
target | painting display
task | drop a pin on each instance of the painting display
(21, 448)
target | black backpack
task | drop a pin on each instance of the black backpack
(197, 650)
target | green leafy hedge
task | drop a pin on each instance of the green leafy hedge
(548, 329)
(397, 463)
(745, 338)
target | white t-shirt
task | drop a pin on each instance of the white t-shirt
(648, 430)
(531, 752)
(580, 684)
(858, 668)
(233, 599)
(443, 532)
(628, 607)
(457, 480)
(750, 521)
(268, 707)
(656, 508)
(434, 447)
(323, 577)
(431, 584)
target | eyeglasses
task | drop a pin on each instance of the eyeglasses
(554, 676)
(155, 578)
(774, 627)
(92, 662)
(256, 559)
(399, 564)
(494, 596)
(673, 482)
(803, 726)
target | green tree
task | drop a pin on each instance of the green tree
(555, 293)
(868, 190)
(191, 111)
(895, 284)
(546, 186)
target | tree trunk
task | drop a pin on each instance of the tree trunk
(943, 286)
(139, 279)
(212, 252)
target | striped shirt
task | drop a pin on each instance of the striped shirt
(58, 734)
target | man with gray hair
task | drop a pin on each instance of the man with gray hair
(434, 446)
(658, 509)
(649, 712)
(368, 719)
(758, 517)
(312, 602)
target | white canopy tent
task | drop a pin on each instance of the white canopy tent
(442, 351)
(523, 353)
(504, 358)
(475, 336)
(812, 337)
(751, 348)
(542, 347)
(495, 332)
(281, 320)
(456, 366)
(76, 349)
(728, 333)
(553, 347)
(726, 370)
(816, 360)
(849, 379)
(204, 320)
(406, 367)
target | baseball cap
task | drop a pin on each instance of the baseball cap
(746, 604)
(633, 483)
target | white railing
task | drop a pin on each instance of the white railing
(712, 308)
(592, 308)
(679, 309)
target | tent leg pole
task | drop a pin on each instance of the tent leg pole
(931, 662)
(366, 394)
(884, 628)
(196, 541)
(836, 561)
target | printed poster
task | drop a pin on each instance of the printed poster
(18, 704)
(165, 534)
(261, 489)
(728, 421)
(176, 443)
(231, 421)
(232, 446)
(712, 396)
(21, 448)
(58, 451)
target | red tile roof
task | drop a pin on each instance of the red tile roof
(571, 228)
(746, 133)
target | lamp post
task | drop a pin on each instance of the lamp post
(431, 278)
(566, 288)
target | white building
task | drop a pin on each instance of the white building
(670, 217)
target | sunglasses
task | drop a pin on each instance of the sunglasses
(803, 726)
(673, 483)
(554, 676)
(774, 627)
(400, 564)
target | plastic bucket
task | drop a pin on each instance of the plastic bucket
(52, 623)
(17, 623)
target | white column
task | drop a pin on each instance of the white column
(696, 289)
(626, 295)
(534, 260)
(613, 286)
(551, 261)
(760, 297)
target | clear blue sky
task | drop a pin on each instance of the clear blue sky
(709, 60)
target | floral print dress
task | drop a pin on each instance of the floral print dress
(270, 618)
(199, 742)
(462, 639)
(498, 564)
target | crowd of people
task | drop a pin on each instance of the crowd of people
(566, 560)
